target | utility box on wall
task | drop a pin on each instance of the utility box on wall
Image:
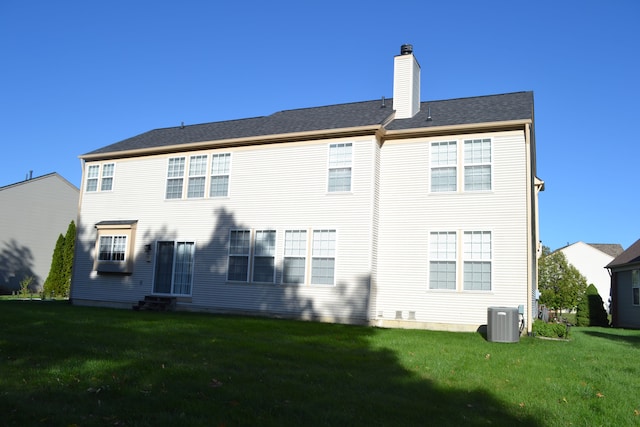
(502, 324)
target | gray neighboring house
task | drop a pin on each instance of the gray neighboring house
(625, 288)
(34, 213)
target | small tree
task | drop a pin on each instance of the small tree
(561, 285)
(53, 283)
(591, 311)
(67, 259)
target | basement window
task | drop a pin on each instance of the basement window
(114, 246)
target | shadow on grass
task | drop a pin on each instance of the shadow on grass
(613, 335)
(64, 365)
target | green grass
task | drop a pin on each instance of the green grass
(75, 366)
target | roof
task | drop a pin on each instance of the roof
(611, 249)
(482, 109)
(630, 256)
(38, 178)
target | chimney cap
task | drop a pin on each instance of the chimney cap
(406, 49)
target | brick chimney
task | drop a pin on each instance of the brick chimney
(406, 83)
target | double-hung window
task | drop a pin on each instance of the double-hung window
(340, 159)
(175, 177)
(442, 260)
(444, 162)
(295, 256)
(477, 260)
(239, 251)
(197, 176)
(323, 257)
(220, 165)
(112, 248)
(635, 286)
(264, 256)
(477, 164)
(100, 177)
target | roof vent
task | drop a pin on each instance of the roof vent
(406, 49)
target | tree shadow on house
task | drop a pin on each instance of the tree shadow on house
(16, 265)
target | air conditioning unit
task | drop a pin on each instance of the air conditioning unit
(502, 324)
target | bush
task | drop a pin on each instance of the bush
(550, 330)
(591, 311)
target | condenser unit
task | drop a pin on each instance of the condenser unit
(502, 324)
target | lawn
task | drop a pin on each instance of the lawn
(75, 366)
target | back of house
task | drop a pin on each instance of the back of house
(391, 212)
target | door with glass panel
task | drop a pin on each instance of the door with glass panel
(174, 268)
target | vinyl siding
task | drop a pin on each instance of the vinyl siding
(409, 212)
(277, 187)
(34, 214)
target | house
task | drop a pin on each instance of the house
(625, 288)
(391, 212)
(34, 214)
(591, 260)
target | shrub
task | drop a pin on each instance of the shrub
(590, 310)
(550, 330)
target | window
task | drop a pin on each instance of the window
(477, 260)
(93, 177)
(295, 256)
(323, 257)
(175, 178)
(264, 256)
(635, 286)
(107, 177)
(114, 246)
(442, 264)
(220, 164)
(239, 248)
(197, 176)
(174, 267)
(444, 160)
(340, 167)
(477, 160)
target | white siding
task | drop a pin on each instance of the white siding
(409, 212)
(591, 263)
(278, 187)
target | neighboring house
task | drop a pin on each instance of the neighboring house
(591, 260)
(390, 212)
(625, 288)
(34, 214)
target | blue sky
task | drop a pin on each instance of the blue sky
(79, 75)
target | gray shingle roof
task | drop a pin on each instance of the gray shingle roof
(611, 249)
(629, 256)
(483, 109)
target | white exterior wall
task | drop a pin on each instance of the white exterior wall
(591, 263)
(279, 187)
(409, 212)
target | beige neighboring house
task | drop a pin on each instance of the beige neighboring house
(591, 259)
(390, 212)
(34, 213)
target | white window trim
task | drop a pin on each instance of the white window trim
(455, 165)
(99, 177)
(460, 260)
(211, 175)
(489, 261)
(188, 176)
(465, 164)
(330, 168)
